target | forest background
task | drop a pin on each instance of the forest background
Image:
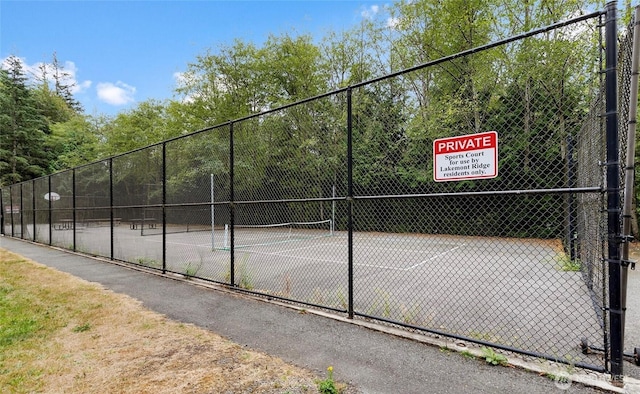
(44, 129)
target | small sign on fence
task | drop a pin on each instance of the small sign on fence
(473, 156)
(12, 209)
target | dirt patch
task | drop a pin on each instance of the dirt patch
(107, 342)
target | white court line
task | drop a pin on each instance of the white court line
(298, 257)
(181, 243)
(385, 267)
(305, 247)
(280, 254)
(364, 248)
(434, 257)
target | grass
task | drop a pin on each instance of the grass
(191, 269)
(493, 358)
(61, 334)
(565, 264)
(468, 355)
(82, 328)
(328, 385)
(381, 304)
(29, 317)
(242, 276)
(148, 262)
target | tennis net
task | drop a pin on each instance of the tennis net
(246, 236)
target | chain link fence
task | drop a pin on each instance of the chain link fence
(332, 202)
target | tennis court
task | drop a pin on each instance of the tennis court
(519, 260)
(512, 291)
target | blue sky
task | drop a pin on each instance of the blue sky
(120, 53)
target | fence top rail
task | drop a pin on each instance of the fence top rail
(443, 59)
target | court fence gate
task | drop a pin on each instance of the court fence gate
(471, 197)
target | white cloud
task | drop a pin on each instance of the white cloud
(371, 12)
(36, 71)
(78, 87)
(81, 87)
(116, 94)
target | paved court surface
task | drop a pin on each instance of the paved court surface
(373, 362)
(505, 291)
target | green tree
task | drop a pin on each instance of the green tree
(292, 69)
(64, 88)
(50, 105)
(23, 129)
(143, 125)
(223, 86)
(74, 142)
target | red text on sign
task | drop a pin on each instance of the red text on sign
(485, 141)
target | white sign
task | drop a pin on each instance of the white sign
(53, 196)
(12, 209)
(473, 156)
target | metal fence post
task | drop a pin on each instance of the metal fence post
(629, 173)
(2, 213)
(616, 313)
(111, 206)
(74, 207)
(350, 200)
(13, 233)
(33, 206)
(164, 208)
(49, 203)
(21, 211)
(232, 269)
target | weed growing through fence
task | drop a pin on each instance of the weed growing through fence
(564, 263)
(191, 270)
(286, 291)
(493, 358)
(242, 274)
(318, 297)
(381, 304)
(342, 300)
(409, 315)
(146, 261)
(329, 298)
(568, 265)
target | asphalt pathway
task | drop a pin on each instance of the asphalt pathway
(368, 360)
